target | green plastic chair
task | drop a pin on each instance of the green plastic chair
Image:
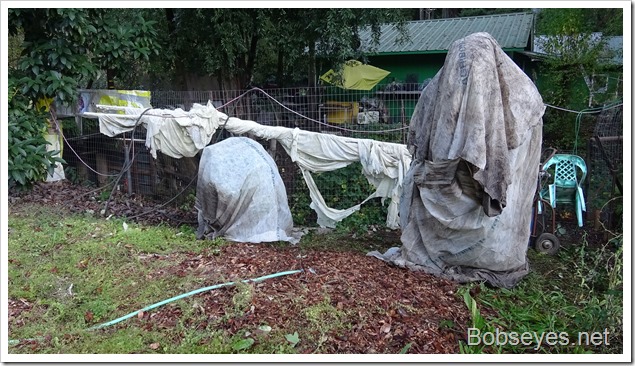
(570, 172)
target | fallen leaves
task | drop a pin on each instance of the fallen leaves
(83, 264)
(381, 308)
(88, 317)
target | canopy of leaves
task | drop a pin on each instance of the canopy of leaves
(576, 37)
(489, 11)
(558, 21)
(575, 40)
(251, 45)
(60, 51)
(64, 49)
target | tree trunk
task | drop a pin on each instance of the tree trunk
(253, 47)
(280, 71)
(180, 80)
(313, 97)
(110, 76)
(312, 71)
(251, 59)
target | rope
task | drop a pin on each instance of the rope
(578, 119)
(126, 166)
(59, 129)
(589, 110)
(308, 118)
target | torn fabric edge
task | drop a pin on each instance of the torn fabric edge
(178, 133)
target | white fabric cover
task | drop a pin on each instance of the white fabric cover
(240, 194)
(476, 139)
(178, 133)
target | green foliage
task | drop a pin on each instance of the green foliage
(249, 46)
(61, 50)
(55, 58)
(578, 291)
(491, 11)
(65, 49)
(341, 189)
(405, 349)
(293, 338)
(478, 322)
(122, 37)
(555, 21)
(28, 159)
(243, 344)
(575, 55)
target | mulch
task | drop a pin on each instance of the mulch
(341, 302)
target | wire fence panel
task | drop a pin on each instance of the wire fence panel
(382, 115)
(605, 158)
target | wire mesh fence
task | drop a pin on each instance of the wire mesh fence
(381, 115)
(605, 157)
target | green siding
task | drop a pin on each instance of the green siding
(401, 67)
(424, 66)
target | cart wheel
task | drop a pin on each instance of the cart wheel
(547, 243)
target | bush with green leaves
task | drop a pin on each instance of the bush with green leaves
(341, 189)
(60, 51)
(28, 159)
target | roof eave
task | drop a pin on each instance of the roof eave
(399, 53)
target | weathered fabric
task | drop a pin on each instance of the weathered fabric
(178, 133)
(476, 139)
(240, 194)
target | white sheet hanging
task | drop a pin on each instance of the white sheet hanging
(178, 133)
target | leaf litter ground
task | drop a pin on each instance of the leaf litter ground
(342, 302)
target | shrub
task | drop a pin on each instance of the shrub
(28, 159)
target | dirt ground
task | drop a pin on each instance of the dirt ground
(381, 308)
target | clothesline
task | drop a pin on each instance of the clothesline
(179, 134)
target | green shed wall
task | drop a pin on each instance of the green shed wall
(400, 66)
(424, 66)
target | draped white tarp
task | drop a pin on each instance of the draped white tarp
(240, 194)
(180, 133)
(476, 138)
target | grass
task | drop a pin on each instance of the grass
(323, 317)
(340, 239)
(575, 293)
(77, 271)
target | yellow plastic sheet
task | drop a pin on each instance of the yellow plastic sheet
(356, 76)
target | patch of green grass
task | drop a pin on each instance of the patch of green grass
(579, 290)
(78, 271)
(322, 318)
(341, 240)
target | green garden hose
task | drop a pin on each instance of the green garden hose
(161, 303)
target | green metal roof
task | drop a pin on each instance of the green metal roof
(511, 31)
